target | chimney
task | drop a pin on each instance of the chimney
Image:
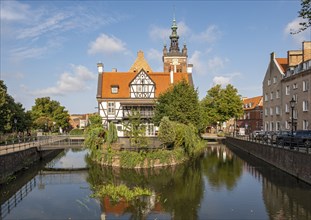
(100, 67)
(114, 70)
(189, 68)
(306, 48)
(272, 56)
(172, 76)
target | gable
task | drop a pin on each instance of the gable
(142, 78)
(123, 80)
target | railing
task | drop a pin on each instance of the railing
(42, 142)
(12, 202)
(291, 143)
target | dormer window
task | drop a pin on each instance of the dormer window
(114, 89)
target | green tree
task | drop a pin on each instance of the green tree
(94, 136)
(209, 106)
(136, 130)
(12, 115)
(180, 103)
(220, 105)
(167, 132)
(304, 13)
(48, 114)
(112, 136)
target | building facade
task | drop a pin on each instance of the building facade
(286, 79)
(252, 117)
(120, 94)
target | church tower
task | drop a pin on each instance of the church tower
(174, 59)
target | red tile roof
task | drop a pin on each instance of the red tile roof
(255, 101)
(283, 64)
(123, 79)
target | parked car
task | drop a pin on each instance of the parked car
(270, 137)
(300, 138)
(255, 133)
(280, 135)
(303, 138)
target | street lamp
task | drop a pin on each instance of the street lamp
(292, 105)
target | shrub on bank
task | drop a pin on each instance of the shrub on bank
(76, 131)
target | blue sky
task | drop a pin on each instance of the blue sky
(51, 48)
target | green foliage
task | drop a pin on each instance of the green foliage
(49, 115)
(305, 14)
(219, 105)
(180, 136)
(12, 115)
(112, 136)
(166, 131)
(131, 159)
(180, 103)
(76, 131)
(117, 192)
(95, 120)
(136, 130)
(94, 136)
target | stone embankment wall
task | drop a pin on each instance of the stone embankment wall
(295, 163)
(12, 162)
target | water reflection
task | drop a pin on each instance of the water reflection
(284, 196)
(177, 191)
(222, 184)
(221, 168)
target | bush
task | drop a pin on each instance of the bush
(167, 132)
(76, 131)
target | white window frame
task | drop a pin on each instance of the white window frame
(266, 97)
(305, 85)
(271, 95)
(286, 108)
(114, 89)
(277, 110)
(305, 125)
(271, 111)
(305, 105)
(274, 79)
(111, 108)
(269, 82)
(287, 90)
(277, 94)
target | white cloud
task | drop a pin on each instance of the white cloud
(54, 23)
(210, 35)
(69, 82)
(157, 33)
(199, 66)
(223, 81)
(27, 52)
(13, 11)
(216, 63)
(106, 44)
(202, 65)
(154, 54)
(294, 26)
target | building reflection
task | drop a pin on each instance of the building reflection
(285, 197)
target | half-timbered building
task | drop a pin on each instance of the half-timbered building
(119, 94)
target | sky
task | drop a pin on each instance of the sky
(51, 48)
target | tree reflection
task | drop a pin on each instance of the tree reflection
(176, 190)
(221, 168)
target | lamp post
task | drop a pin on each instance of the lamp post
(292, 105)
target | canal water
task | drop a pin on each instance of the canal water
(222, 184)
